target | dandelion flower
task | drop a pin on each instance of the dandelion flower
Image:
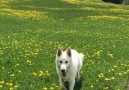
(106, 88)
(91, 86)
(1, 82)
(107, 79)
(11, 88)
(1, 86)
(10, 84)
(60, 88)
(12, 75)
(46, 71)
(15, 86)
(19, 71)
(34, 73)
(125, 72)
(120, 74)
(110, 55)
(53, 84)
(112, 78)
(3, 68)
(48, 74)
(45, 88)
(51, 88)
(101, 75)
(57, 86)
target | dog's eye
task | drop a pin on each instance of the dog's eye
(66, 62)
(60, 61)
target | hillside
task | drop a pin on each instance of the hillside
(32, 30)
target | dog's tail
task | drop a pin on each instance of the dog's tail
(81, 56)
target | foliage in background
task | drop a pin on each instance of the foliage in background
(114, 1)
(126, 2)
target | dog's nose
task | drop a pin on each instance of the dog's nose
(63, 70)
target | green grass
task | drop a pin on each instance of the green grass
(32, 30)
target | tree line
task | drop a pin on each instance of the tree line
(126, 2)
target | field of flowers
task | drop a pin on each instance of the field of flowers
(32, 30)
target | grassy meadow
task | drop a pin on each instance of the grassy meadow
(32, 30)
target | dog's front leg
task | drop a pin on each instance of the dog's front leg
(71, 84)
(62, 84)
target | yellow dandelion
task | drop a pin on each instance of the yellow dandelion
(125, 72)
(106, 88)
(112, 78)
(101, 75)
(41, 74)
(107, 79)
(3, 68)
(15, 86)
(110, 55)
(46, 71)
(11, 88)
(109, 70)
(1, 82)
(40, 71)
(12, 75)
(28, 61)
(17, 65)
(1, 86)
(48, 74)
(57, 86)
(60, 88)
(98, 52)
(120, 74)
(115, 66)
(53, 84)
(7, 83)
(112, 69)
(45, 88)
(51, 88)
(91, 86)
(10, 84)
(19, 71)
(35, 74)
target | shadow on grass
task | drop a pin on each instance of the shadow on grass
(78, 84)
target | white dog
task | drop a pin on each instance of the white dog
(68, 65)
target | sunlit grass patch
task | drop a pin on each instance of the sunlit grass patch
(34, 15)
(108, 17)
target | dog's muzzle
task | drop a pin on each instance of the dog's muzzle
(63, 73)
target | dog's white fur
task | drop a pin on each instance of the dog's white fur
(68, 66)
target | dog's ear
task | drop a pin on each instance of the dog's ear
(69, 52)
(59, 52)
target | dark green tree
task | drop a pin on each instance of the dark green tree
(114, 1)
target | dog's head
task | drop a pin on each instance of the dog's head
(63, 60)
